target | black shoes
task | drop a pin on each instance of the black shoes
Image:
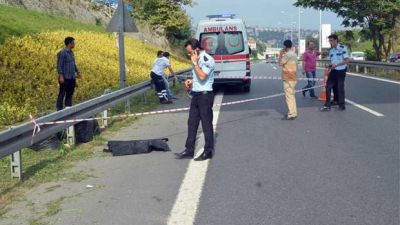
(304, 93)
(204, 156)
(189, 155)
(342, 108)
(185, 155)
(325, 109)
(314, 97)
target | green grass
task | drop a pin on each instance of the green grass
(54, 207)
(18, 22)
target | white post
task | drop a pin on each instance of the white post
(320, 33)
(104, 120)
(71, 136)
(299, 37)
(16, 165)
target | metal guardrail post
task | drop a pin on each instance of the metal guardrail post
(174, 82)
(16, 165)
(128, 106)
(357, 69)
(104, 120)
(71, 136)
(145, 98)
(365, 70)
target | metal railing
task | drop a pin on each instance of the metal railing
(19, 137)
(368, 67)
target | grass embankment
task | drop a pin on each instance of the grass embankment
(19, 22)
(28, 76)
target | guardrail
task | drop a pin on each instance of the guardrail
(19, 137)
(368, 67)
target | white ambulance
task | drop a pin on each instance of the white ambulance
(225, 38)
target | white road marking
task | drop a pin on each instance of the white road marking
(365, 108)
(374, 78)
(187, 201)
(273, 66)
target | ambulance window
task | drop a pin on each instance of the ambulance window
(209, 42)
(223, 43)
(234, 42)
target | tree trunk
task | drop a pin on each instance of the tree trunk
(375, 42)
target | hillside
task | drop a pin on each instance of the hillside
(18, 22)
(80, 10)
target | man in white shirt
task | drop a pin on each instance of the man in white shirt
(156, 75)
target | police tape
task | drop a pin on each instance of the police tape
(37, 125)
(254, 77)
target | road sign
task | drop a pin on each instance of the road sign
(121, 22)
(326, 31)
(116, 21)
(302, 47)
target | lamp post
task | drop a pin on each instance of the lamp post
(299, 36)
(320, 34)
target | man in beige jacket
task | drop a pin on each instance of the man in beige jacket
(288, 61)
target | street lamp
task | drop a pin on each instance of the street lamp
(299, 36)
(320, 34)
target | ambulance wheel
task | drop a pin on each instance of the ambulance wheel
(246, 88)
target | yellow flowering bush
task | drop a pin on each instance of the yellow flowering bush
(28, 73)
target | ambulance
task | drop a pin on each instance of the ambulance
(225, 39)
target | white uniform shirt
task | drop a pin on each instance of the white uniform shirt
(337, 55)
(159, 65)
(207, 64)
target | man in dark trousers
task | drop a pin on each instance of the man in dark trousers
(156, 74)
(67, 69)
(202, 101)
(339, 58)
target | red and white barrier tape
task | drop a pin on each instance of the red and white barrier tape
(37, 125)
(258, 78)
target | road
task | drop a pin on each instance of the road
(323, 168)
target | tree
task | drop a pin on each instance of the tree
(167, 15)
(377, 18)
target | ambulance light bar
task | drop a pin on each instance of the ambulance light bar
(230, 16)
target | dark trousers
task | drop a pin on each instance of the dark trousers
(336, 82)
(310, 83)
(159, 83)
(201, 110)
(66, 90)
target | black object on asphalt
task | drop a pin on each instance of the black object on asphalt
(132, 147)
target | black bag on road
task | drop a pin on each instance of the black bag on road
(119, 148)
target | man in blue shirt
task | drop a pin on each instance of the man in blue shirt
(67, 69)
(339, 57)
(202, 101)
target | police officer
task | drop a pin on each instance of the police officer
(339, 58)
(202, 101)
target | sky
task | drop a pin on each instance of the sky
(264, 13)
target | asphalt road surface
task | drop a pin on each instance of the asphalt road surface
(328, 168)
